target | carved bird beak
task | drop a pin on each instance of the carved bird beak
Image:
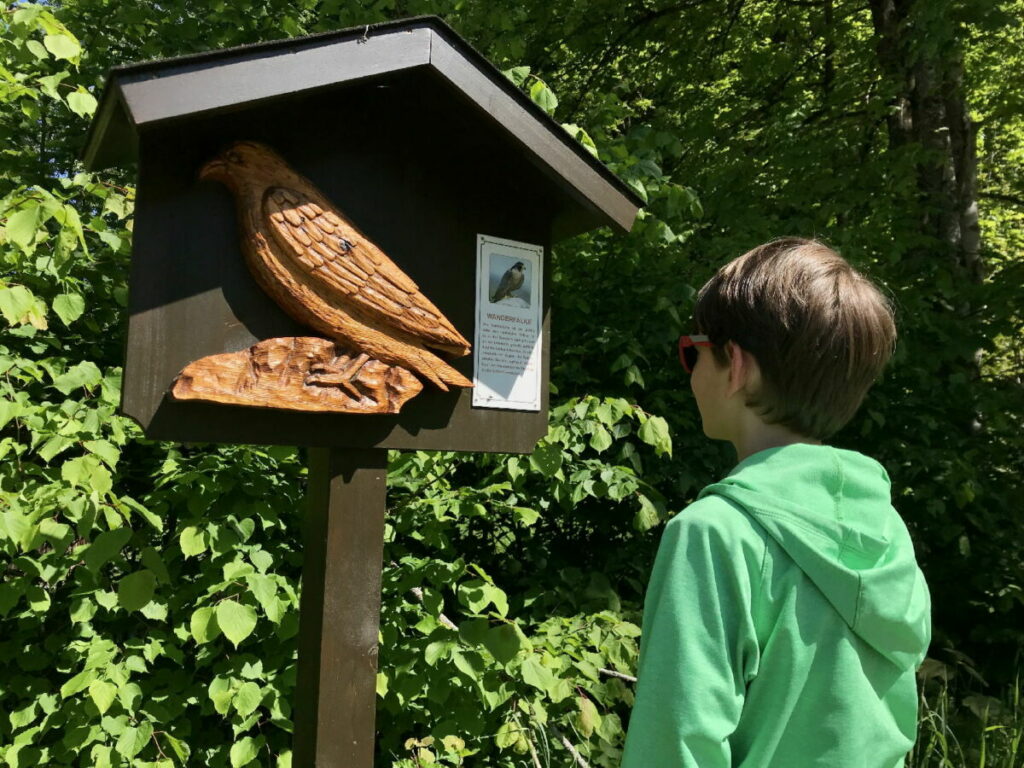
(214, 169)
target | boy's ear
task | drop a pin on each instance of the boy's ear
(741, 368)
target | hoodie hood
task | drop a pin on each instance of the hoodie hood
(830, 510)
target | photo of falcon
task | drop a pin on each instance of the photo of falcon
(325, 273)
(510, 282)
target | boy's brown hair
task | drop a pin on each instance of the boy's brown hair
(821, 332)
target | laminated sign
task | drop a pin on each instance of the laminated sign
(507, 366)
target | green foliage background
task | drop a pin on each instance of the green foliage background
(149, 592)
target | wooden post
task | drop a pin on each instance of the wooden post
(335, 694)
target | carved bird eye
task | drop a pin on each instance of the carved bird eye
(235, 158)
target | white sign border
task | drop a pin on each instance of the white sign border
(536, 256)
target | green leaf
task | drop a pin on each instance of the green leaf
(543, 96)
(18, 526)
(82, 103)
(136, 589)
(203, 625)
(49, 84)
(134, 739)
(70, 220)
(247, 698)
(37, 49)
(56, 532)
(130, 694)
(588, 719)
(101, 653)
(101, 755)
(478, 594)
(647, 516)
(517, 75)
(264, 589)
(582, 137)
(221, 693)
(9, 596)
(536, 674)
(82, 610)
(110, 239)
(503, 642)
(525, 515)
(654, 431)
(192, 541)
(114, 725)
(546, 458)
(22, 226)
(438, 649)
(102, 694)
(181, 750)
(104, 547)
(600, 439)
(69, 307)
(38, 599)
(77, 683)
(245, 750)
(19, 306)
(85, 374)
(9, 410)
(87, 472)
(261, 559)
(19, 718)
(105, 450)
(236, 621)
(152, 560)
(63, 46)
(507, 735)
(52, 447)
(142, 512)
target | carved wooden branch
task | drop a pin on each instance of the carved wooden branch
(303, 373)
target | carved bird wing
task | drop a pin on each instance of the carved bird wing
(504, 286)
(341, 262)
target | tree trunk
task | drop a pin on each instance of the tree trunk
(930, 110)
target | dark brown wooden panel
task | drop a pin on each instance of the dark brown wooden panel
(422, 179)
(335, 692)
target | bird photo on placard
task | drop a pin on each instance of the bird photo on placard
(508, 281)
(383, 334)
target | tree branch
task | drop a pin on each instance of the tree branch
(619, 675)
(1011, 199)
(576, 756)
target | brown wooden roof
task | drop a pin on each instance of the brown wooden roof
(150, 94)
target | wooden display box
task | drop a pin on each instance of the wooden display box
(409, 131)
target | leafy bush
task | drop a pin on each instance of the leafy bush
(149, 592)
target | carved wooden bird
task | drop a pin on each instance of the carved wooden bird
(510, 282)
(327, 274)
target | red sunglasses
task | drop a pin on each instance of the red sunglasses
(688, 350)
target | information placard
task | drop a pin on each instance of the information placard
(507, 348)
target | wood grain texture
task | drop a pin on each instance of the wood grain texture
(325, 273)
(303, 373)
(339, 616)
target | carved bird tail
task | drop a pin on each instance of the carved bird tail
(420, 361)
(439, 372)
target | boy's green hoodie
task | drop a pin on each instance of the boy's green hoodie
(784, 621)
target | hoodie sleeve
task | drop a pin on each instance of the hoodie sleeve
(698, 647)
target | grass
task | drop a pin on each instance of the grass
(967, 730)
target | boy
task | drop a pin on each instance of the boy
(786, 614)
